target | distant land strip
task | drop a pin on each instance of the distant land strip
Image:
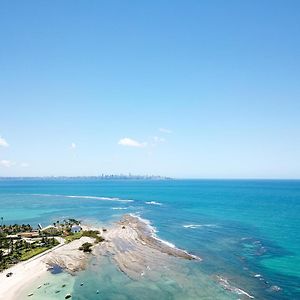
(101, 177)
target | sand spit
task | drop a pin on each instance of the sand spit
(134, 247)
(130, 243)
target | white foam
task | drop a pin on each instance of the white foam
(194, 226)
(119, 208)
(153, 203)
(85, 197)
(241, 292)
(153, 234)
(137, 215)
(225, 283)
(167, 243)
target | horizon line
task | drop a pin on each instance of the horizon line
(153, 177)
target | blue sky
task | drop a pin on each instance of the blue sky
(206, 89)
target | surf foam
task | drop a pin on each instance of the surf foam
(85, 197)
(153, 203)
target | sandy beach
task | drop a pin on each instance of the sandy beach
(131, 244)
(24, 273)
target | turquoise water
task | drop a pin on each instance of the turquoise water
(240, 228)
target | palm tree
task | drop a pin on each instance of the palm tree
(11, 245)
(1, 254)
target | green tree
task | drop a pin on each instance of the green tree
(86, 247)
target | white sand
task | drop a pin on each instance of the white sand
(131, 244)
(27, 272)
(24, 273)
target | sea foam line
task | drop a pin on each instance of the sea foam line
(153, 232)
(119, 208)
(153, 203)
(194, 226)
(227, 286)
(84, 197)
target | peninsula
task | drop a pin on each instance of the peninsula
(131, 244)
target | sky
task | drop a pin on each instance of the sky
(187, 89)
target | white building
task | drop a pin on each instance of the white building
(76, 229)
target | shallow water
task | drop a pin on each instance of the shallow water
(246, 231)
(49, 287)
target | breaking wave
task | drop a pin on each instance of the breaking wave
(153, 203)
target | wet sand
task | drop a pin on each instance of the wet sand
(134, 247)
(130, 243)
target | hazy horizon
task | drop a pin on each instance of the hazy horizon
(162, 177)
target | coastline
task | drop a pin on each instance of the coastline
(131, 244)
(27, 272)
(24, 273)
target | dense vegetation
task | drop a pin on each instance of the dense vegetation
(13, 229)
(21, 242)
(13, 251)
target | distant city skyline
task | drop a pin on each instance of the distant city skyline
(100, 177)
(197, 89)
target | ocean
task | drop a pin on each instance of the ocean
(246, 231)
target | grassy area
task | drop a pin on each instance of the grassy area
(33, 252)
(73, 237)
(29, 253)
(89, 233)
(93, 234)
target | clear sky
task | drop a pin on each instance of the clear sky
(207, 89)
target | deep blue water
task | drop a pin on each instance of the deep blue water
(241, 228)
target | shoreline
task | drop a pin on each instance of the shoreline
(24, 273)
(27, 272)
(131, 244)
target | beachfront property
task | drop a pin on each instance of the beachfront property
(21, 242)
(76, 228)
